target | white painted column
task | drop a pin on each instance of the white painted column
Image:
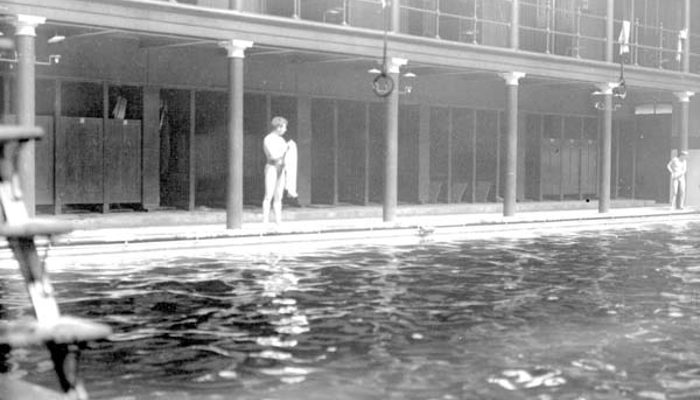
(234, 187)
(391, 132)
(25, 36)
(684, 100)
(510, 182)
(605, 146)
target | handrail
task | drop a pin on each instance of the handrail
(694, 55)
(555, 24)
(561, 31)
(653, 46)
(465, 27)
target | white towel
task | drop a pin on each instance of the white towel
(682, 35)
(290, 169)
(624, 38)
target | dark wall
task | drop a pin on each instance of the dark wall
(653, 152)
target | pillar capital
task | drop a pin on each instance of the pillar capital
(25, 25)
(236, 48)
(512, 78)
(394, 64)
(606, 88)
(684, 97)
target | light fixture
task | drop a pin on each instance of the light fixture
(600, 104)
(407, 80)
(56, 39)
(53, 59)
(384, 84)
(618, 93)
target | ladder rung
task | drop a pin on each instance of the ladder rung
(25, 333)
(10, 133)
(36, 227)
(17, 389)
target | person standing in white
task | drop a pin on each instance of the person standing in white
(278, 153)
(678, 166)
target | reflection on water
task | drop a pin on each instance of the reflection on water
(588, 315)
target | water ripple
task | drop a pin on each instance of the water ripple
(600, 314)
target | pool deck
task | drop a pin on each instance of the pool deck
(162, 229)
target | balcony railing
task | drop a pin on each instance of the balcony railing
(566, 32)
(476, 22)
(656, 47)
(694, 53)
(358, 13)
(544, 27)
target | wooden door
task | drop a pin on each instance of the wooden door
(462, 157)
(352, 147)
(551, 158)
(79, 146)
(407, 164)
(439, 153)
(571, 157)
(175, 148)
(589, 157)
(122, 161)
(44, 164)
(323, 148)
(654, 147)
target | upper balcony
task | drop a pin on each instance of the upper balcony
(569, 28)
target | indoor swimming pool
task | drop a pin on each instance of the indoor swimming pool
(598, 314)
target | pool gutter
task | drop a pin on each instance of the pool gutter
(328, 233)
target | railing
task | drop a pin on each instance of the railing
(655, 47)
(476, 22)
(544, 27)
(358, 13)
(566, 32)
(694, 53)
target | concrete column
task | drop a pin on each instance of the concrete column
(610, 30)
(234, 188)
(605, 147)
(391, 132)
(515, 24)
(684, 100)
(510, 192)
(395, 13)
(25, 35)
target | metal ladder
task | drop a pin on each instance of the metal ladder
(63, 336)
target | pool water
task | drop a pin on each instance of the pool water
(601, 314)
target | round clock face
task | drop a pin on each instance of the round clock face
(382, 85)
